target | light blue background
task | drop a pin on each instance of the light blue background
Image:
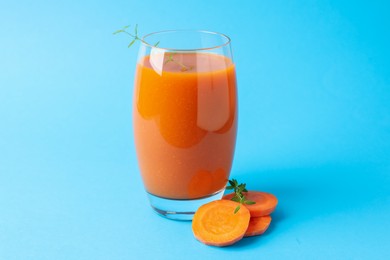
(314, 128)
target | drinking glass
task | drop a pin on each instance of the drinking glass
(185, 118)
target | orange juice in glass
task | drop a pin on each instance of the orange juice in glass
(185, 119)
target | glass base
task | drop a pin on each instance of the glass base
(180, 209)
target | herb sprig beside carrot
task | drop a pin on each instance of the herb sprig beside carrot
(238, 195)
(217, 224)
(265, 202)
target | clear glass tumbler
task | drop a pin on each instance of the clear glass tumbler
(185, 118)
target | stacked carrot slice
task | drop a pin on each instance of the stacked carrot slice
(217, 224)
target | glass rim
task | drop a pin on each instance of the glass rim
(224, 36)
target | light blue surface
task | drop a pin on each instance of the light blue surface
(314, 128)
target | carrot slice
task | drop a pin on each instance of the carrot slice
(216, 224)
(265, 202)
(258, 226)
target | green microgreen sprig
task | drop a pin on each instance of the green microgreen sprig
(137, 38)
(132, 35)
(182, 66)
(239, 196)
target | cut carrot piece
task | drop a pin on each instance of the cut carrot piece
(216, 224)
(265, 202)
(258, 226)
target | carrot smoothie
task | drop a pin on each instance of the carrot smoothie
(185, 123)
